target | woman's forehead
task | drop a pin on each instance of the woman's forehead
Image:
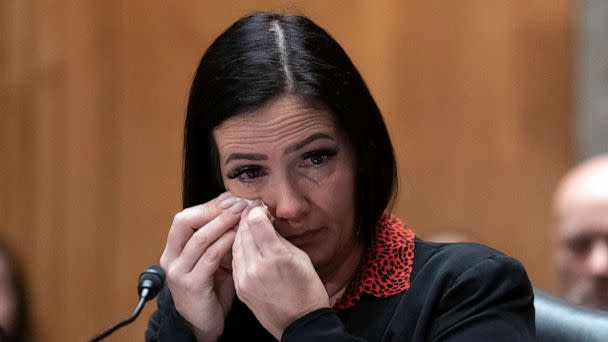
(283, 120)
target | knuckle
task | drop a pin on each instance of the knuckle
(173, 273)
(244, 281)
(189, 285)
(179, 218)
(200, 239)
(164, 262)
(212, 255)
(252, 272)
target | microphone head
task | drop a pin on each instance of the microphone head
(153, 279)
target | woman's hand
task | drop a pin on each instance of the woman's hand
(274, 278)
(199, 238)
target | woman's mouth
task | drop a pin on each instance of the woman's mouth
(304, 238)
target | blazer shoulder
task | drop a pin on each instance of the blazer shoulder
(469, 292)
(455, 259)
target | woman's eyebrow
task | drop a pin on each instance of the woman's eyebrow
(290, 149)
(246, 156)
(307, 141)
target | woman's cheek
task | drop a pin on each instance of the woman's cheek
(244, 190)
(318, 175)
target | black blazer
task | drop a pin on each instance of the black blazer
(458, 292)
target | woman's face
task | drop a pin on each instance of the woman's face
(293, 157)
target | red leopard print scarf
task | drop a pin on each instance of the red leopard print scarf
(385, 270)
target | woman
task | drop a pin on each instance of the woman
(288, 174)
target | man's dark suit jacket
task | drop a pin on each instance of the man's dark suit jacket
(458, 292)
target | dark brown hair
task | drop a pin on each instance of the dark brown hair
(266, 55)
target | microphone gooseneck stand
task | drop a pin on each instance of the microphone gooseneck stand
(151, 281)
(108, 331)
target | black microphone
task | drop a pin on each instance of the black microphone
(150, 283)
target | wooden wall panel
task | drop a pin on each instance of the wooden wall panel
(60, 193)
(477, 98)
(483, 128)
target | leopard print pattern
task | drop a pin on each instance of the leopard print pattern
(387, 266)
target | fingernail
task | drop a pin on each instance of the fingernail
(224, 195)
(245, 211)
(226, 202)
(250, 205)
(267, 211)
(238, 206)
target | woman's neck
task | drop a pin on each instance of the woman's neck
(337, 281)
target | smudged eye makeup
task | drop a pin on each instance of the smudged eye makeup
(312, 159)
(319, 157)
(247, 172)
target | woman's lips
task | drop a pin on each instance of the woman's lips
(303, 238)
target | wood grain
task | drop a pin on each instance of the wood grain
(477, 97)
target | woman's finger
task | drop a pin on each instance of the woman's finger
(188, 221)
(242, 255)
(250, 251)
(262, 232)
(237, 259)
(209, 262)
(204, 237)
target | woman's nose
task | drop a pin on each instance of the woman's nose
(289, 201)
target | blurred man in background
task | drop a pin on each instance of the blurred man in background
(581, 211)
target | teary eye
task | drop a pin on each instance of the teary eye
(246, 173)
(320, 157)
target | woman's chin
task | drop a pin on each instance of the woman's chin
(316, 256)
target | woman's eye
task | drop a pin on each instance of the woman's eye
(319, 157)
(245, 173)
